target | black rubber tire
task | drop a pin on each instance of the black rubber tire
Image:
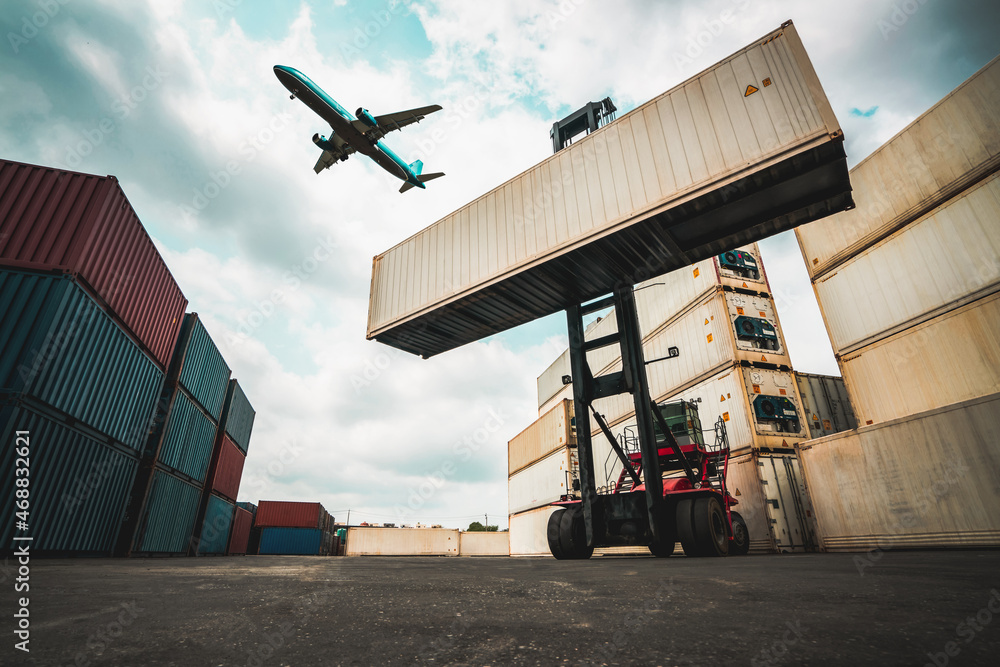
(711, 533)
(740, 544)
(663, 549)
(685, 526)
(552, 534)
(573, 535)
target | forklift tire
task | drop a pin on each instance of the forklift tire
(662, 549)
(740, 544)
(711, 534)
(573, 535)
(552, 534)
(685, 527)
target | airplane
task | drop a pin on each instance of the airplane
(362, 134)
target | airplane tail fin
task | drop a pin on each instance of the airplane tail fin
(423, 178)
(417, 166)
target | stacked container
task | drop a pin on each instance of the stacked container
(163, 511)
(298, 528)
(88, 316)
(825, 404)
(908, 286)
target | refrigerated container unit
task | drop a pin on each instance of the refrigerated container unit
(64, 222)
(239, 537)
(825, 404)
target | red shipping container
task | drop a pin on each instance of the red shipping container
(289, 514)
(227, 469)
(240, 536)
(55, 220)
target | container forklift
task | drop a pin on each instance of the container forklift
(672, 485)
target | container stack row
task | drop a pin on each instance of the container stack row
(293, 528)
(909, 287)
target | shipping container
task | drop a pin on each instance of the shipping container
(550, 382)
(528, 532)
(286, 541)
(61, 221)
(250, 507)
(60, 348)
(238, 416)
(543, 482)
(227, 469)
(199, 367)
(291, 514)
(743, 150)
(943, 152)
(555, 430)
(773, 500)
(742, 269)
(186, 439)
(402, 542)
(214, 531)
(482, 543)
(239, 537)
(79, 486)
(926, 480)
(565, 394)
(939, 262)
(168, 517)
(951, 358)
(825, 404)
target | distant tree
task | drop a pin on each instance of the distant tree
(476, 527)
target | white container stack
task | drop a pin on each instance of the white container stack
(909, 287)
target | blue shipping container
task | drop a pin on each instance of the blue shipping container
(168, 519)
(188, 438)
(58, 346)
(249, 507)
(78, 486)
(238, 416)
(291, 541)
(215, 529)
(204, 373)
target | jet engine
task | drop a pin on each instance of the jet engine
(366, 117)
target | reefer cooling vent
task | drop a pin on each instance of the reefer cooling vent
(758, 331)
(777, 410)
(741, 263)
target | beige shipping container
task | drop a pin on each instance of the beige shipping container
(483, 543)
(553, 430)
(927, 480)
(773, 500)
(543, 482)
(564, 394)
(366, 541)
(940, 154)
(953, 357)
(550, 382)
(746, 149)
(825, 403)
(528, 532)
(944, 259)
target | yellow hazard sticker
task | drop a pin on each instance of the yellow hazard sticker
(697, 272)
(745, 285)
(722, 398)
(767, 82)
(751, 89)
(739, 310)
(756, 389)
(782, 392)
(738, 491)
(827, 426)
(709, 338)
(725, 416)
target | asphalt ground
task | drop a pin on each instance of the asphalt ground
(901, 608)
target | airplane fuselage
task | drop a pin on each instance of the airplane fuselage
(341, 121)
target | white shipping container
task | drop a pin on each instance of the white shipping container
(640, 195)
(746, 273)
(564, 394)
(482, 543)
(954, 357)
(951, 146)
(543, 482)
(553, 430)
(528, 532)
(550, 381)
(366, 541)
(933, 264)
(927, 480)
(826, 404)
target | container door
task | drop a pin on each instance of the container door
(789, 511)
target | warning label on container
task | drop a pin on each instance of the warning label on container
(751, 89)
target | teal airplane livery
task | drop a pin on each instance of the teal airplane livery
(362, 134)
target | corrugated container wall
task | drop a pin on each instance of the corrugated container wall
(555, 430)
(940, 154)
(622, 201)
(825, 403)
(228, 469)
(293, 541)
(214, 535)
(482, 543)
(84, 225)
(250, 507)
(79, 486)
(290, 514)
(543, 482)
(188, 439)
(203, 371)
(168, 520)
(240, 535)
(238, 416)
(60, 348)
(402, 542)
(528, 532)
(927, 480)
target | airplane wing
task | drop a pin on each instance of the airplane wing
(330, 158)
(395, 121)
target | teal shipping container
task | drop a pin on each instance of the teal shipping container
(78, 486)
(214, 536)
(167, 523)
(199, 367)
(294, 541)
(59, 347)
(187, 438)
(238, 416)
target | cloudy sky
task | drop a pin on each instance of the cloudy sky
(178, 100)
